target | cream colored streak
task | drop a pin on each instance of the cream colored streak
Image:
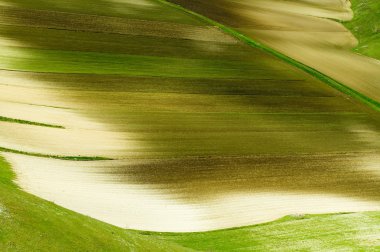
(25, 99)
(83, 187)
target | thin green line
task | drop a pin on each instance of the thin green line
(13, 120)
(72, 158)
(328, 80)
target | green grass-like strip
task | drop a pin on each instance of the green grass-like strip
(328, 80)
(72, 158)
(365, 26)
(28, 223)
(13, 120)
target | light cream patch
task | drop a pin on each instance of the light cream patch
(140, 3)
(243, 209)
(10, 52)
(143, 207)
(81, 136)
(41, 114)
(9, 43)
(328, 9)
(83, 187)
(63, 142)
(18, 79)
(30, 96)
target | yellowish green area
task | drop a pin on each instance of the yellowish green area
(366, 26)
(341, 232)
